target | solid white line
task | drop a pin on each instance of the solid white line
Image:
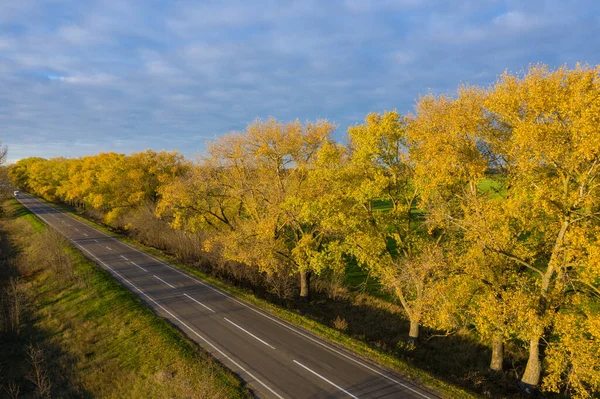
(173, 316)
(135, 264)
(163, 281)
(124, 257)
(297, 331)
(249, 333)
(199, 303)
(326, 380)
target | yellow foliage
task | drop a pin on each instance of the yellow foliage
(573, 358)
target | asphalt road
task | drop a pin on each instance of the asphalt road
(276, 359)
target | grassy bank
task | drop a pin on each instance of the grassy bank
(80, 334)
(309, 322)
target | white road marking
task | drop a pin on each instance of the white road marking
(326, 380)
(199, 303)
(180, 321)
(285, 325)
(124, 257)
(96, 240)
(85, 234)
(76, 229)
(163, 281)
(249, 333)
(107, 247)
(274, 320)
(297, 331)
(135, 264)
(332, 349)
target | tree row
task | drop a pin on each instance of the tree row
(480, 209)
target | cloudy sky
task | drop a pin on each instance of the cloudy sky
(81, 77)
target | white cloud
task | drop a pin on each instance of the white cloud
(362, 6)
(160, 68)
(404, 57)
(518, 21)
(100, 79)
(76, 35)
(6, 44)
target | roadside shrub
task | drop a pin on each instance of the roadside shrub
(340, 324)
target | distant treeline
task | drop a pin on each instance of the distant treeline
(481, 209)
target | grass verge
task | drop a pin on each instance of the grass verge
(332, 335)
(98, 338)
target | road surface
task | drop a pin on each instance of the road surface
(275, 358)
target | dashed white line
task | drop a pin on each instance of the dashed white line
(96, 240)
(107, 247)
(85, 234)
(249, 333)
(199, 303)
(324, 345)
(163, 281)
(124, 257)
(285, 325)
(135, 264)
(326, 380)
(76, 229)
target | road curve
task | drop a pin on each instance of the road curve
(275, 358)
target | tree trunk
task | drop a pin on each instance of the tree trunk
(531, 377)
(413, 334)
(497, 354)
(304, 285)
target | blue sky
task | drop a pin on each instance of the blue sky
(82, 77)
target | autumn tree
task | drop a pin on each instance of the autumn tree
(255, 190)
(136, 179)
(549, 148)
(20, 172)
(378, 214)
(536, 136)
(498, 307)
(109, 182)
(450, 162)
(200, 199)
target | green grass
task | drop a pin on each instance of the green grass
(330, 334)
(22, 212)
(109, 343)
(382, 205)
(358, 280)
(492, 185)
